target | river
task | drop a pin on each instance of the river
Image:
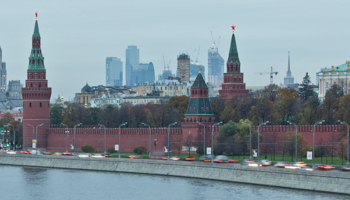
(51, 184)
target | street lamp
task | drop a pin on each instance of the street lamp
(259, 141)
(14, 135)
(74, 135)
(313, 144)
(169, 136)
(33, 133)
(36, 137)
(250, 136)
(296, 140)
(347, 160)
(149, 150)
(204, 138)
(212, 141)
(119, 135)
(105, 135)
(67, 132)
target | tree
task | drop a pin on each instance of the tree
(87, 148)
(180, 103)
(140, 150)
(6, 119)
(287, 104)
(330, 103)
(321, 150)
(56, 114)
(305, 92)
(312, 112)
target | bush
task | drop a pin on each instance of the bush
(140, 150)
(88, 148)
(111, 150)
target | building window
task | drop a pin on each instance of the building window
(30, 104)
(327, 85)
(171, 87)
(41, 105)
(165, 88)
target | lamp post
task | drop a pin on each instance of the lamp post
(33, 133)
(14, 136)
(212, 140)
(296, 140)
(105, 134)
(74, 135)
(36, 137)
(67, 133)
(204, 138)
(313, 144)
(250, 138)
(119, 135)
(259, 138)
(347, 125)
(169, 137)
(149, 150)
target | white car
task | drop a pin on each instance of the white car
(98, 156)
(11, 152)
(84, 155)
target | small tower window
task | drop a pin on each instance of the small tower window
(30, 104)
(41, 105)
(31, 84)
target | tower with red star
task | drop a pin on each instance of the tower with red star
(233, 85)
(36, 97)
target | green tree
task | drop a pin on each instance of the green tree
(180, 103)
(56, 114)
(330, 103)
(87, 148)
(306, 91)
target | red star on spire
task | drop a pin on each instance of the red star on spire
(36, 14)
(233, 27)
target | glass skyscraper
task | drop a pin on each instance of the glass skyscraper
(114, 71)
(132, 60)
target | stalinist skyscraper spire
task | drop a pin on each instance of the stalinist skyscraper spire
(288, 80)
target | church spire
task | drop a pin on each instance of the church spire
(233, 63)
(36, 59)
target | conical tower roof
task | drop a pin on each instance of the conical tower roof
(233, 55)
(199, 82)
(36, 59)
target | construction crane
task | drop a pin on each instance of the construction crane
(271, 74)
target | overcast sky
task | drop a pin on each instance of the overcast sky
(77, 36)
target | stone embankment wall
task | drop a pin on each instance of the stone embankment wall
(333, 182)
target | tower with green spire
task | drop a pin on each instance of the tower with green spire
(233, 85)
(36, 97)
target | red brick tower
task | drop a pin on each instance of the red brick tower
(199, 109)
(233, 85)
(36, 97)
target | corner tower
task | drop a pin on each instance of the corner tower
(233, 85)
(36, 96)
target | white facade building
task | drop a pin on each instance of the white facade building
(339, 75)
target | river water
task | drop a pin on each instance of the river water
(51, 184)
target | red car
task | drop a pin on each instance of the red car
(24, 152)
(47, 153)
(66, 153)
(135, 157)
(107, 155)
(325, 167)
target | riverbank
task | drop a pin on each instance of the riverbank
(323, 181)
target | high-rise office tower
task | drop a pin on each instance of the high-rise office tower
(233, 85)
(3, 74)
(144, 73)
(132, 60)
(183, 67)
(15, 90)
(288, 80)
(194, 70)
(215, 67)
(114, 71)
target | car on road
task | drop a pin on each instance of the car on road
(233, 160)
(24, 152)
(58, 153)
(47, 153)
(135, 156)
(189, 158)
(107, 155)
(66, 153)
(11, 152)
(265, 163)
(345, 168)
(159, 155)
(306, 168)
(300, 164)
(175, 158)
(325, 167)
(84, 155)
(206, 158)
(221, 159)
(35, 152)
(281, 164)
(249, 162)
(97, 156)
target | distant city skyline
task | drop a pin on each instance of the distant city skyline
(78, 36)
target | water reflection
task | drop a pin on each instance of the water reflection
(39, 183)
